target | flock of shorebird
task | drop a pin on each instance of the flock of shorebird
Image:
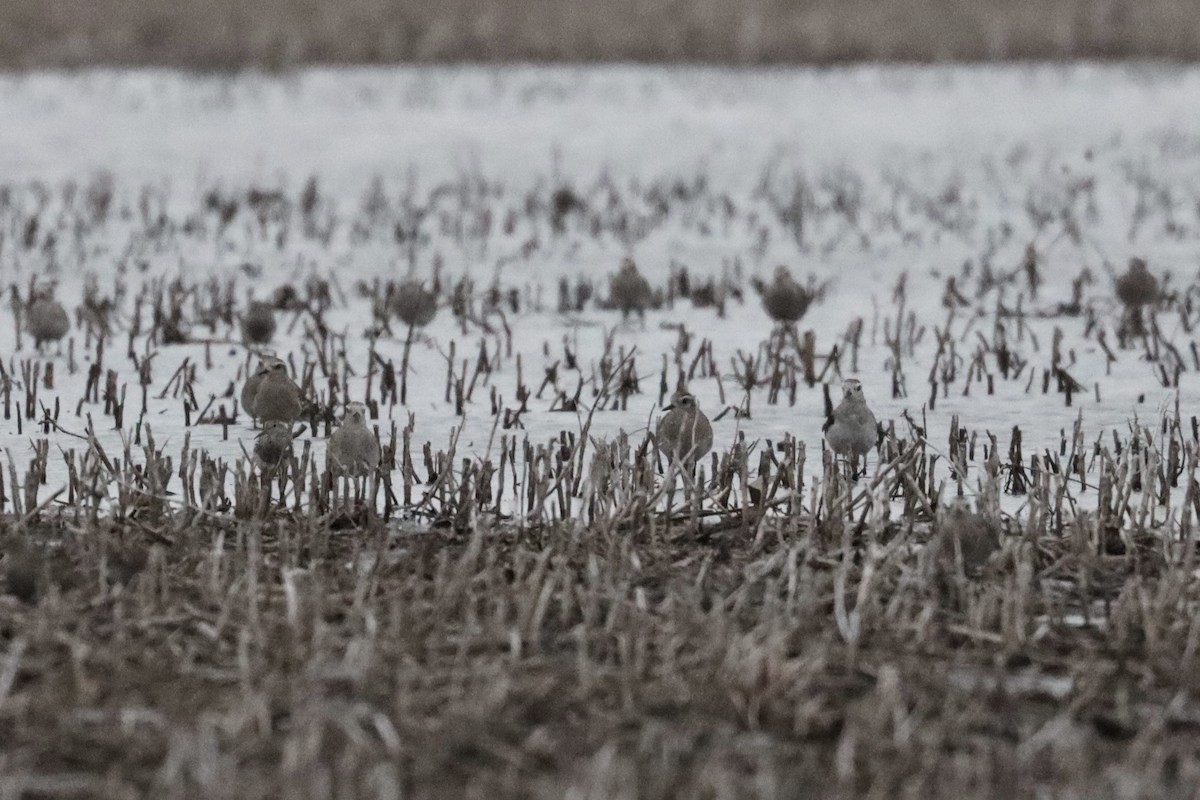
(271, 397)
(684, 433)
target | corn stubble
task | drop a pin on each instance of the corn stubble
(560, 617)
(803, 627)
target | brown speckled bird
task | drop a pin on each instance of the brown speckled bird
(250, 387)
(1137, 286)
(1136, 289)
(630, 291)
(684, 432)
(353, 449)
(415, 305)
(785, 300)
(852, 430)
(46, 319)
(960, 532)
(258, 323)
(277, 396)
(273, 444)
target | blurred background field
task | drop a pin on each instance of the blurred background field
(277, 34)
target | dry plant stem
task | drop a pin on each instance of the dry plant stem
(408, 340)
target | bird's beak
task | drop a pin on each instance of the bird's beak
(669, 407)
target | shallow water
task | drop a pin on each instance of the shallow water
(928, 172)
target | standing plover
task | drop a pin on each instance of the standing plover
(274, 443)
(960, 531)
(1137, 287)
(258, 323)
(415, 305)
(46, 319)
(630, 291)
(353, 449)
(785, 300)
(851, 429)
(277, 396)
(250, 387)
(684, 432)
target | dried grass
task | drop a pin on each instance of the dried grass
(560, 620)
(276, 34)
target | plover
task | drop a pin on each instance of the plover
(785, 300)
(277, 397)
(45, 318)
(22, 568)
(250, 387)
(274, 443)
(851, 429)
(629, 291)
(960, 531)
(1137, 287)
(415, 305)
(258, 323)
(353, 449)
(684, 432)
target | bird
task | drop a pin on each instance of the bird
(353, 449)
(286, 298)
(277, 397)
(630, 291)
(415, 305)
(250, 387)
(258, 323)
(46, 318)
(785, 300)
(1137, 286)
(684, 432)
(960, 531)
(851, 429)
(274, 443)
(22, 568)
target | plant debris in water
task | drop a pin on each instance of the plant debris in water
(411, 527)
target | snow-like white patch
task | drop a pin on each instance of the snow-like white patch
(899, 170)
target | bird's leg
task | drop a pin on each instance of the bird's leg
(282, 474)
(850, 467)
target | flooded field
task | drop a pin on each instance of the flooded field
(539, 591)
